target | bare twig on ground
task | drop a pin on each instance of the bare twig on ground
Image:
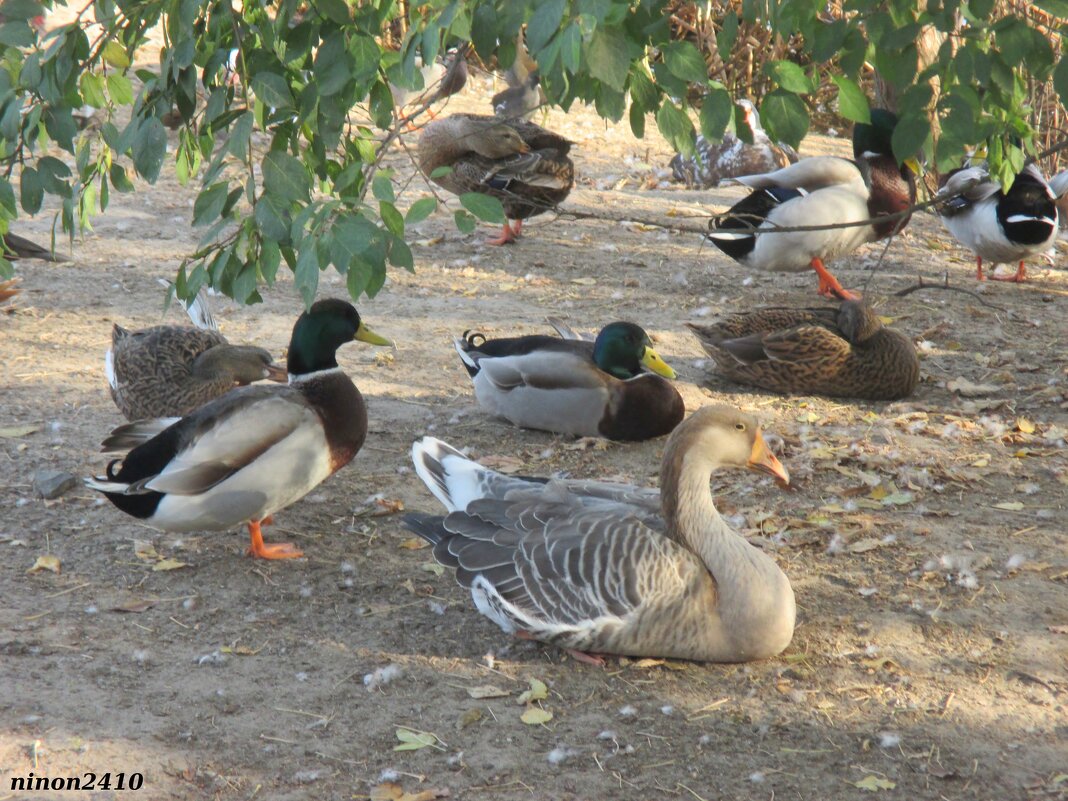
(946, 285)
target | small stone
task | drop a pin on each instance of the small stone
(50, 484)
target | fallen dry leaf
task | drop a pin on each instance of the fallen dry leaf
(13, 432)
(537, 692)
(135, 606)
(874, 784)
(1009, 506)
(1025, 425)
(487, 691)
(967, 389)
(46, 562)
(414, 740)
(1058, 629)
(470, 717)
(387, 506)
(168, 564)
(502, 464)
(535, 715)
(414, 544)
(143, 549)
(391, 791)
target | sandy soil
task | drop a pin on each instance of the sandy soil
(925, 539)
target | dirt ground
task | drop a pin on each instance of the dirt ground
(925, 539)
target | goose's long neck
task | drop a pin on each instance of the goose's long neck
(694, 522)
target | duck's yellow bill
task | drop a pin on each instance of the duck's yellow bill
(365, 334)
(914, 165)
(651, 361)
(761, 458)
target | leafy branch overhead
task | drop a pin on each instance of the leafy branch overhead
(284, 111)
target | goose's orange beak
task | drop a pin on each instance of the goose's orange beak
(763, 460)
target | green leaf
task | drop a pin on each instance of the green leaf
(286, 177)
(643, 91)
(544, 23)
(784, 117)
(306, 273)
(790, 77)
(119, 179)
(608, 58)
(272, 89)
(1058, 8)
(440, 172)
(391, 217)
(272, 216)
(910, 135)
(115, 55)
(359, 275)
(464, 221)
(400, 255)
(852, 102)
(209, 204)
(420, 210)
(675, 126)
(1060, 81)
(382, 187)
(637, 120)
(333, 66)
(120, 89)
(92, 86)
(31, 193)
(413, 741)
(484, 29)
(717, 109)
(685, 61)
(21, 9)
(149, 148)
(486, 208)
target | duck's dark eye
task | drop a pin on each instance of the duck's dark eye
(740, 426)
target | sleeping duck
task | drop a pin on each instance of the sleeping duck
(613, 568)
(521, 164)
(1000, 226)
(170, 370)
(842, 353)
(255, 450)
(816, 191)
(713, 162)
(571, 386)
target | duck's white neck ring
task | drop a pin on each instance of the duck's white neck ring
(296, 379)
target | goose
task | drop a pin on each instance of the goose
(843, 352)
(821, 190)
(612, 568)
(523, 165)
(253, 451)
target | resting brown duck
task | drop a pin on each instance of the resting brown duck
(523, 165)
(170, 370)
(843, 352)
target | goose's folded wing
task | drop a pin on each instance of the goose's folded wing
(555, 566)
(229, 434)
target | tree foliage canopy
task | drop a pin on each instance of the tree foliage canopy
(312, 80)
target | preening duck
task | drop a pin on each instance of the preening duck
(614, 568)
(572, 386)
(713, 162)
(822, 190)
(523, 165)
(839, 352)
(1000, 226)
(253, 451)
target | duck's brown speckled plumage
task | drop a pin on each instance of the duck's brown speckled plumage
(527, 184)
(170, 370)
(844, 352)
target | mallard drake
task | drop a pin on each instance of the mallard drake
(170, 370)
(817, 191)
(730, 157)
(1000, 226)
(255, 450)
(521, 101)
(843, 353)
(571, 386)
(521, 164)
(613, 568)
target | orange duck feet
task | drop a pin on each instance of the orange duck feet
(259, 550)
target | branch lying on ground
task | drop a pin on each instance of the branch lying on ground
(945, 285)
